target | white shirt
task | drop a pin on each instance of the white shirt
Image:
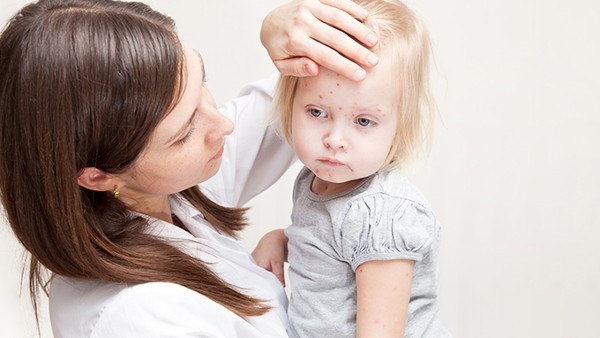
(253, 159)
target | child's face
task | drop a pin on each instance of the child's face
(343, 130)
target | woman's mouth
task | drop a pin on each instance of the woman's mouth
(218, 154)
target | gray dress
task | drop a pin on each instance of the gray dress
(384, 217)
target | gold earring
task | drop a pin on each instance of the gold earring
(116, 193)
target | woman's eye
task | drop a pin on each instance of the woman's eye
(317, 112)
(187, 136)
(363, 122)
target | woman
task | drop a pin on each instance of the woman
(106, 130)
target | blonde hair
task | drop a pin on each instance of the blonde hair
(404, 39)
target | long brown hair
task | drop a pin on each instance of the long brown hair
(83, 83)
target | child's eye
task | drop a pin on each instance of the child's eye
(317, 112)
(363, 122)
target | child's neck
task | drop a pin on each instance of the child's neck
(325, 188)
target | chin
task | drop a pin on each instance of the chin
(332, 178)
(208, 175)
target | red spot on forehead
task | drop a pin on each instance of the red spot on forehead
(321, 96)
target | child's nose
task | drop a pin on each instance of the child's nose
(335, 140)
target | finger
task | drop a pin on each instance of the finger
(263, 264)
(345, 45)
(260, 260)
(297, 66)
(347, 16)
(349, 7)
(332, 48)
(281, 278)
(331, 59)
(277, 270)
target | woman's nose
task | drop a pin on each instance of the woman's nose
(219, 121)
(227, 125)
(217, 126)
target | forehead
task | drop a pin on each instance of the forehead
(193, 76)
(379, 87)
(194, 63)
(190, 96)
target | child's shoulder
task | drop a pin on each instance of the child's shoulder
(393, 185)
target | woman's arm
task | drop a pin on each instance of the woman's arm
(304, 34)
(383, 293)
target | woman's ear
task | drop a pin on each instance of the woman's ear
(95, 179)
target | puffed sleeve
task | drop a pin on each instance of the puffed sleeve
(168, 310)
(382, 227)
(255, 157)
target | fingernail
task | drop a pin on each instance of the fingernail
(363, 13)
(372, 39)
(308, 69)
(360, 74)
(372, 59)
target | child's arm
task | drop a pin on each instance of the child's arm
(383, 293)
(271, 252)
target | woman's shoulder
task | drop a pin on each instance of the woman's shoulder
(101, 309)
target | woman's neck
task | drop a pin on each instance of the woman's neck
(154, 206)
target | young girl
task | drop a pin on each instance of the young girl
(363, 244)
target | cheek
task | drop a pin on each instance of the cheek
(150, 175)
(374, 152)
(186, 162)
(303, 140)
(385, 150)
(299, 143)
(195, 158)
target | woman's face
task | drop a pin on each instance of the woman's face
(187, 145)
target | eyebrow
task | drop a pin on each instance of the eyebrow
(375, 110)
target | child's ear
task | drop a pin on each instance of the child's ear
(95, 179)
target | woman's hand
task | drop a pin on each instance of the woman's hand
(303, 34)
(271, 252)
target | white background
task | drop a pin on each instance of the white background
(513, 170)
